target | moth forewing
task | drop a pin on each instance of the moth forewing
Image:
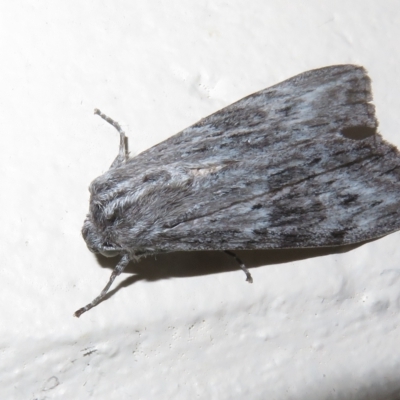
(281, 168)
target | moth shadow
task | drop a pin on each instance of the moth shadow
(381, 389)
(199, 263)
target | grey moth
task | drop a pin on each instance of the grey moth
(297, 165)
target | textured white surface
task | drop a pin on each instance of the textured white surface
(308, 328)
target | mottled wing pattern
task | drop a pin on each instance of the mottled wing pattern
(281, 168)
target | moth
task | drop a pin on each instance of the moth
(297, 165)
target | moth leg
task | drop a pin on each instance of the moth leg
(123, 154)
(117, 270)
(242, 266)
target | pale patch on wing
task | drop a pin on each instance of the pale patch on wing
(206, 170)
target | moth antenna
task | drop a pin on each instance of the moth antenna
(117, 271)
(242, 266)
(123, 153)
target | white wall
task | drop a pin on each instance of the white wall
(308, 328)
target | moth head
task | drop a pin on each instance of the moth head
(96, 242)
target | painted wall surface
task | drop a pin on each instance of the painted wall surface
(315, 324)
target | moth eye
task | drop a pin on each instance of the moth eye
(358, 132)
(109, 253)
(108, 250)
